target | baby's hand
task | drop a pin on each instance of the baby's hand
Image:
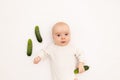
(36, 60)
(81, 67)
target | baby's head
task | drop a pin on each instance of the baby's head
(61, 34)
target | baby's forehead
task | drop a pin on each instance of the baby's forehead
(60, 32)
(60, 28)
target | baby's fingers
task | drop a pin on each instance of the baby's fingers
(36, 60)
(81, 70)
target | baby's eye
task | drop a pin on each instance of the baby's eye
(58, 35)
(66, 34)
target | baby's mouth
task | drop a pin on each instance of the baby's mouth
(63, 41)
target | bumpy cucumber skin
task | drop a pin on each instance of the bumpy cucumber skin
(76, 71)
(29, 47)
(37, 33)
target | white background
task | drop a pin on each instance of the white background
(95, 27)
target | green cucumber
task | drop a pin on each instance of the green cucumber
(76, 71)
(86, 67)
(37, 33)
(29, 47)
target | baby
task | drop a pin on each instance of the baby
(62, 55)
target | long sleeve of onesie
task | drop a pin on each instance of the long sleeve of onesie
(79, 54)
(43, 54)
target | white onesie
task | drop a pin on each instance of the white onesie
(63, 60)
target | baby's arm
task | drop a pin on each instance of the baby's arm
(41, 56)
(81, 67)
(80, 60)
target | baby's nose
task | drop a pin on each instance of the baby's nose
(63, 37)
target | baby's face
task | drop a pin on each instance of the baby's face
(61, 35)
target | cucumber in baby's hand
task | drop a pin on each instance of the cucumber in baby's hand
(76, 71)
(86, 67)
